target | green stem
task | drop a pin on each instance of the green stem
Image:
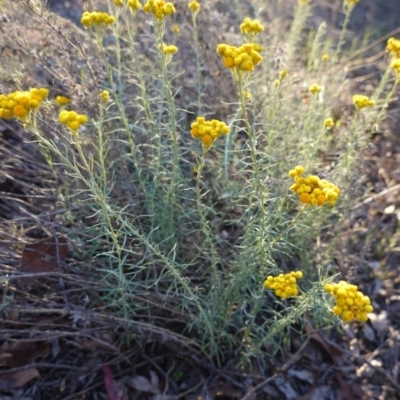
(172, 117)
(119, 102)
(198, 64)
(382, 113)
(347, 13)
(205, 228)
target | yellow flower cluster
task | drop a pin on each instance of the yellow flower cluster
(169, 49)
(208, 131)
(361, 101)
(325, 57)
(104, 95)
(285, 285)
(395, 64)
(134, 5)
(350, 3)
(393, 47)
(18, 104)
(62, 100)
(73, 120)
(160, 9)
(96, 18)
(194, 6)
(313, 190)
(251, 27)
(329, 123)
(119, 2)
(243, 58)
(350, 303)
(314, 88)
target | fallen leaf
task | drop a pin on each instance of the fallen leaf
(44, 256)
(142, 384)
(109, 383)
(26, 352)
(22, 353)
(12, 380)
(302, 374)
(333, 351)
(285, 387)
(5, 358)
(349, 390)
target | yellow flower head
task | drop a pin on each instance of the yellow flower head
(241, 59)
(283, 74)
(160, 9)
(134, 5)
(251, 28)
(284, 285)
(325, 57)
(361, 101)
(194, 6)
(314, 89)
(313, 190)
(208, 131)
(62, 100)
(104, 95)
(393, 47)
(19, 104)
(73, 120)
(350, 303)
(96, 19)
(169, 49)
(329, 123)
(176, 29)
(350, 3)
(395, 64)
(119, 2)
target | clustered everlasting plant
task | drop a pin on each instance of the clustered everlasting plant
(361, 101)
(160, 9)
(169, 49)
(393, 47)
(242, 59)
(329, 123)
(141, 142)
(73, 120)
(19, 104)
(62, 100)
(208, 131)
(313, 190)
(314, 88)
(350, 303)
(96, 19)
(284, 285)
(194, 6)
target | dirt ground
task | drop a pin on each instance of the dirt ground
(53, 352)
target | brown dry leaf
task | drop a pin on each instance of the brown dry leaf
(45, 255)
(332, 350)
(349, 390)
(12, 380)
(5, 358)
(24, 352)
